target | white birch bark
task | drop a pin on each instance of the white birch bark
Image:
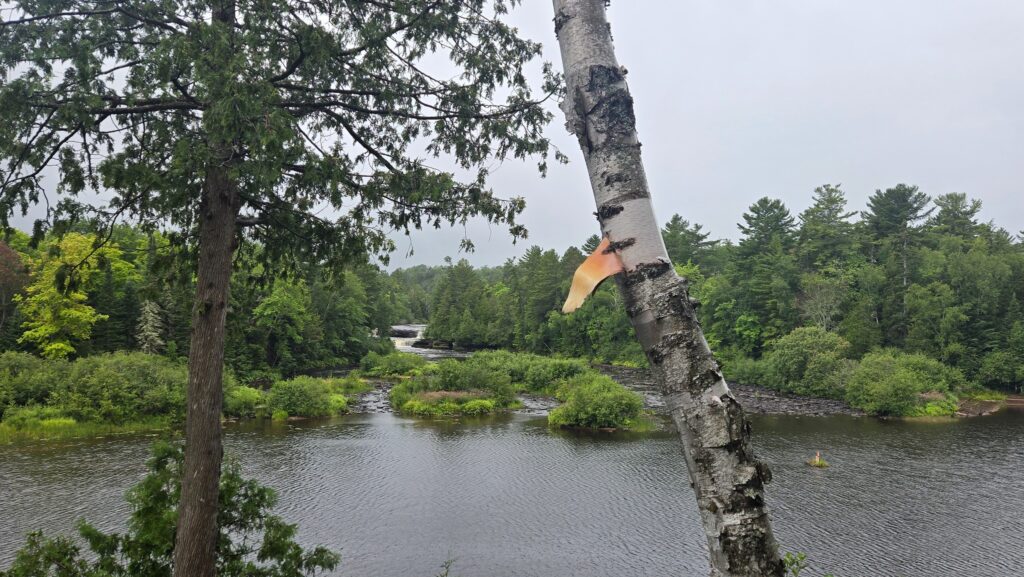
(727, 479)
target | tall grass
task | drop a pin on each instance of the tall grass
(62, 428)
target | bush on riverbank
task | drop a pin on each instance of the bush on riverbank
(123, 392)
(245, 525)
(244, 402)
(813, 362)
(529, 372)
(394, 364)
(889, 382)
(306, 397)
(449, 404)
(115, 388)
(452, 387)
(489, 381)
(804, 362)
(299, 397)
(595, 401)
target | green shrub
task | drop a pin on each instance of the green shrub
(339, 404)
(803, 362)
(279, 415)
(595, 401)
(980, 394)
(1001, 369)
(451, 375)
(545, 374)
(515, 365)
(32, 416)
(57, 423)
(945, 407)
(119, 387)
(370, 361)
(435, 408)
(744, 370)
(28, 380)
(301, 397)
(437, 405)
(402, 392)
(244, 402)
(415, 398)
(478, 407)
(417, 408)
(392, 364)
(891, 383)
(349, 385)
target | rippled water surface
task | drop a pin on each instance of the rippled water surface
(507, 497)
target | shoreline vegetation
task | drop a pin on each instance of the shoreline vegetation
(126, 393)
(914, 309)
(121, 393)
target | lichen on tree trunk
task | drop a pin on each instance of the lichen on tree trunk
(726, 477)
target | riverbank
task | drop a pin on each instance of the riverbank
(756, 400)
(63, 429)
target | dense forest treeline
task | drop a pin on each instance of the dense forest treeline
(908, 281)
(908, 298)
(79, 294)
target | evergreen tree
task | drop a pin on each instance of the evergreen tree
(765, 276)
(765, 223)
(686, 242)
(826, 235)
(150, 330)
(956, 216)
(894, 220)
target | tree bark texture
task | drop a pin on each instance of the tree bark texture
(195, 551)
(726, 477)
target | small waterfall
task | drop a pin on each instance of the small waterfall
(405, 335)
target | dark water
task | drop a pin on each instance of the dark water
(507, 497)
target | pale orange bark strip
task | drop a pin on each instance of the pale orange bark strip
(601, 264)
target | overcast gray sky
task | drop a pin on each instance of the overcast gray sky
(738, 99)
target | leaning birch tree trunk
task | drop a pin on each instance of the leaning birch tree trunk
(727, 479)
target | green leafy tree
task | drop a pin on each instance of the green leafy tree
(284, 318)
(215, 115)
(804, 360)
(57, 316)
(590, 245)
(765, 275)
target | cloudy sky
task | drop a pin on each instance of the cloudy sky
(738, 99)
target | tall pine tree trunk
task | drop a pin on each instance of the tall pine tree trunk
(728, 480)
(195, 546)
(196, 541)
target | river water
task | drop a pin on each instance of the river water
(506, 496)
